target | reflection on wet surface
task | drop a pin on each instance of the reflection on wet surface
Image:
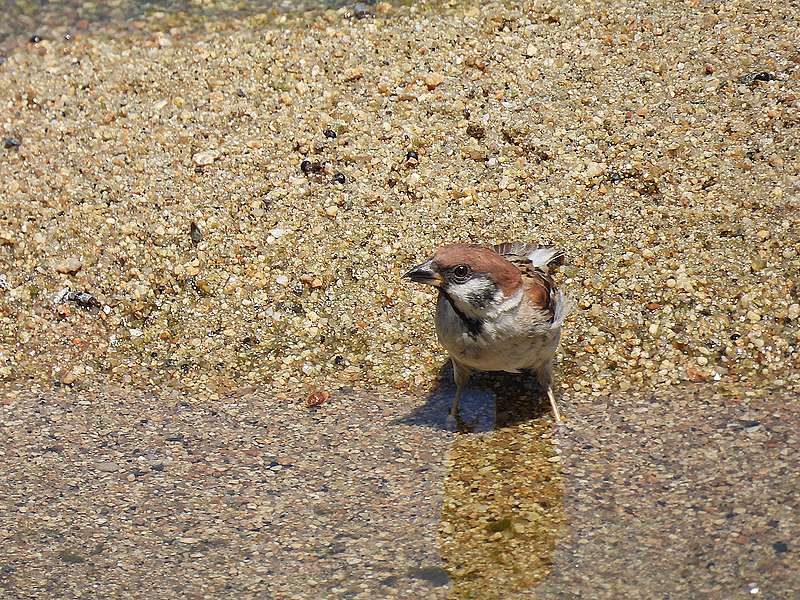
(502, 497)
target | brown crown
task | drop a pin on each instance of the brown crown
(506, 276)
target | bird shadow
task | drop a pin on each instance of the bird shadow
(491, 400)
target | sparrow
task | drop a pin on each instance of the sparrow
(498, 310)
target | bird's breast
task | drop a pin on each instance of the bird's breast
(501, 344)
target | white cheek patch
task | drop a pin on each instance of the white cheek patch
(478, 293)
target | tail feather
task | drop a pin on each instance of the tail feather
(539, 256)
(544, 256)
(563, 305)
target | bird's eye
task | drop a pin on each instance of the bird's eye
(461, 272)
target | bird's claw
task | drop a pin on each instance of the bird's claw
(456, 424)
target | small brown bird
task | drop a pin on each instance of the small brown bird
(498, 310)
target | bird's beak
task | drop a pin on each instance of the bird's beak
(424, 273)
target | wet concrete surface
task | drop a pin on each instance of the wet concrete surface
(691, 495)
(251, 497)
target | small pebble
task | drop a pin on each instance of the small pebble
(594, 169)
(780, 547)
(10, 142)
(82, 299)
(476, 131)
(317, 398)
(107, 467)
(205, 158)
(354, 74)
(69, 266)
(751, 78)
(329, 133)
(794, 311)
(432, 80)
(195, 233)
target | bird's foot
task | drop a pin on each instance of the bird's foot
(455, 424)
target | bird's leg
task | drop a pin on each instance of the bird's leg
(553, 404)
(544, 376)
(461, 375)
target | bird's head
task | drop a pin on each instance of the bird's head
(476, 279)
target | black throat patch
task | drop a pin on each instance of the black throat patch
(483, 297)
(474, 326)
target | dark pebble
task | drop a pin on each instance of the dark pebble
(35, 39)
(476, 131)
(615, 176)
(361, 11)
(329, 133)
(195, 232)
(412, 155)
(498, 525)
(12, 143)
(83, 299)
(751, 78)
(435, 575)
(6, 571)
(305, 166)
(780, 547)
(338, 178)
(178, 437)
(71, 558)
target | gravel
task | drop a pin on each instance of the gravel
(181, 177)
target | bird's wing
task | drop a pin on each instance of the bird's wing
(524, 255)
(541, 290)
(534, 261)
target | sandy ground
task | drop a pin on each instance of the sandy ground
(202, 228)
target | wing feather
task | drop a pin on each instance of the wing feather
(535, 261)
